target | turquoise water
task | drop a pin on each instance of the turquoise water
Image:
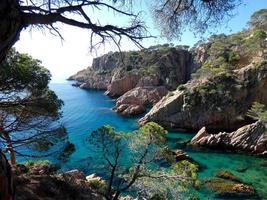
(86, 110)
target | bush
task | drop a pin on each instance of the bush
(98, 185)
(258, 111)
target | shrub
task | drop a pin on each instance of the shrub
(258, 111)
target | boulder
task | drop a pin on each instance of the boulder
(93, 177)
(130, 109)
(230, 190)
(138, 98)
(180, 155)
(251, 139)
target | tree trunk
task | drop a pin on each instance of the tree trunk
(11, 24)
(10, 149)
(7, 191)
(116, 196)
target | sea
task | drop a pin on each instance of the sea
(86, 110)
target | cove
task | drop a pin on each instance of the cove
(86, 110)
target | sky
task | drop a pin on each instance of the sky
(65, 58)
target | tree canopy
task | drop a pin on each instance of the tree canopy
(131, 162)
(198, 16)
(26, 102)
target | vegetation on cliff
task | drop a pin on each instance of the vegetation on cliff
(232, 77)
(231, 52)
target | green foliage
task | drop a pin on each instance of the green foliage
(52, 138)
(99, 185)
(133, 157)
(20, 71)
(181, 87)
(36, 165)
(233, 58)
(36, 162)
(258, 111)
(259, 19)
(155, 132)
(27, 103)
(186, 168)
(229, 52)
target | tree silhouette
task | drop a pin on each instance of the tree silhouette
(15, 15)
(174, 17)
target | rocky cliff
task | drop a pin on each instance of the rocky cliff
(143, 72)
(218, 102)
(233, 75)
(251, 139)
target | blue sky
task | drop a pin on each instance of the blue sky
(64, 58)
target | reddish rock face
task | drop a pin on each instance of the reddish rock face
(119, 86)
(134, 101)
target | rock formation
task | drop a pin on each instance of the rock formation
(219, 102)
(32, 183)
(135, 100)
(251, 139)
(147, 72)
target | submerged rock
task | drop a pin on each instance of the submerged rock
(250, 139)
(229, 190)
(224, 174)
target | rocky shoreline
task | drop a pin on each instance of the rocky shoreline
(250, 139)
(212, 85)
(218, 103)
(139, 79)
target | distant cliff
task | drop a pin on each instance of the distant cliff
(139, 78)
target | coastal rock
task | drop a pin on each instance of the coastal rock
(138, 98)
(93, 177)
(180, 155)
(118, 73)
(118, 87)
(250, 139)
(229, 190)
(130, 109)
(142, 77)
(67, 185)
(220, 102)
